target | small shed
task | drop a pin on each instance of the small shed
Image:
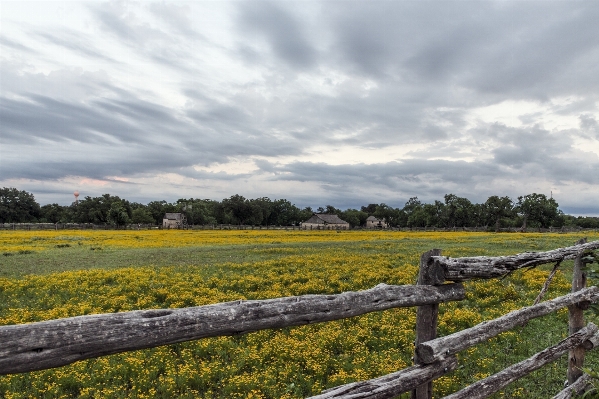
(324, 221)
(376, 223)
(172, 221)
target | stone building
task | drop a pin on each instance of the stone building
(173, 221)
(375, 223)
(323, 221)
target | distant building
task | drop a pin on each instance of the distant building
(376, 223)
(173, 221)
(323, 221)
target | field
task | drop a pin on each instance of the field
(52, 274)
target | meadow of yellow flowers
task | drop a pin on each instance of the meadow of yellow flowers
(288, 363)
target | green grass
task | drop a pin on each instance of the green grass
(250, 271)
(78, 257)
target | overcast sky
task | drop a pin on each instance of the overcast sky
(333, 102)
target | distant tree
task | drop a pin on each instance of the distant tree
(498, 208)
(305, 214)
(18, 206)
(411, 205)
(53, 213)
(157, 209)
(354, 217)
(199, 211)
(242, 210)
(400, 218)
(537, 210)
(331, 210)
(142, 216)
(457, 211)
(434, 214)
(415, 214)
(284, 213)
(479, 215)
(418, 217)
(586, 222)
(370, 209)
(263, 207)
(97, 210)
(117, 214)
(386, 213)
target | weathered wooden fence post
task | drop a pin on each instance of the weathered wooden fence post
(576, 319)
(426, 316)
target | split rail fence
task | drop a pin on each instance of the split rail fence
(55, 343)
(91, 226)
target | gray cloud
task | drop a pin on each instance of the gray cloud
(164, 88)
(75, 42)
(177, 18)
(589, 125)
(282, 31)
(15, 45)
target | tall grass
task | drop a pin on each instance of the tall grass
(196, 268)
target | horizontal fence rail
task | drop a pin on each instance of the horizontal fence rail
(577, 388)
(438, 348)
(485, 267)
(47, 344)
(487, 386)
(393, 384)
(54, 343)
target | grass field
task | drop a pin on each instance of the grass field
(52, 274)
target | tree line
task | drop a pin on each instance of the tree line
(528, 211)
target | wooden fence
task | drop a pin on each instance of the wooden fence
(91, 226)
(54, 343)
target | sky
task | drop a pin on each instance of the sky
(333, 102)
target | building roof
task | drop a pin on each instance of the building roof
(372, 218)
(172, 216)
(330, 219)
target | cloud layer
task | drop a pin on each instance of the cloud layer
(342, 103)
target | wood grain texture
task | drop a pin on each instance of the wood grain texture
(485, 267)
(391, 385)
(427, 315)
(438, 348)
(42, 345)
(577, 388)
(485, 387)
(576, 320)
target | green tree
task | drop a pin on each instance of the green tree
(586, 222)
(386, 213)
(411, 205)
(18, 206)
(261, 206)
(159, 208)
(96, 210)
(117, 214)
(400, 218)
(498, 208)
(305, 214)
(414, 211)
(434, 213)
(354, 217)
(242, 210)
(199, 211)
(284, 213)
(141, 216)
(331, 210)
(370, 209)
(53, 213)
(537, 210)
(457, 211)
